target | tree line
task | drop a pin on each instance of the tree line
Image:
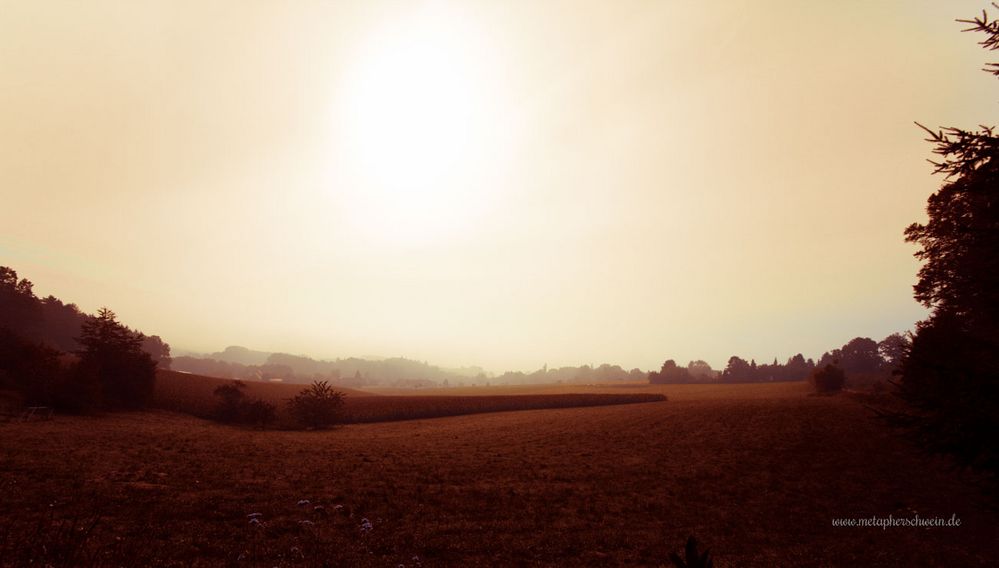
(860, 357)
(569, 374)
(241, 363)
(53, 354)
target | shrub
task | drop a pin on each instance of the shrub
(231, 400)
(317, 406)
(828, 379)
(234, 408)
(260, 413)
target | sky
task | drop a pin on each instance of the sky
(504, 184)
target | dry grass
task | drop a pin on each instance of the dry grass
(758, 480)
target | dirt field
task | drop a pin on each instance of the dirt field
(757, 472)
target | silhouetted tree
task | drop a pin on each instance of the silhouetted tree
(50, 321)
(60, 324)
(860, 355)
(951, 373)
(670, 373)
(159, 351)
(19, 310)
(797, 368)
(113, 354)
(737, 370)
(893, 349)
(317, 406)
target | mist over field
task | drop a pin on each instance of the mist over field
(441, 283)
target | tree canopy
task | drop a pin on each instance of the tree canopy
(950, 375)
(112, 354)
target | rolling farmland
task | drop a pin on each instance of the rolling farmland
(192, 394)
(757, 479)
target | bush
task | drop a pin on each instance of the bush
(231, 401)
(828, 379)
(260, 413)
(234, 408)
(317, 406)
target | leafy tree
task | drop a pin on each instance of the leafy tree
(113, 354)
(670, 373)
(317, 406)
(738, 370)
(158, 350)
(860, 355)
(797, 368)
(951, 374)
(893, 349)
(700, 370)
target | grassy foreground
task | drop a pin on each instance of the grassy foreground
(758, 480)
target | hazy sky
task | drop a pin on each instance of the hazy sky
(497, 183)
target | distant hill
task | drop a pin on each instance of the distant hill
(241, 355)
(241, 363)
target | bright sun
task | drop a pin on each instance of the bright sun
(420, 126)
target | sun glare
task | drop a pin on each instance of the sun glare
(419, 125)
